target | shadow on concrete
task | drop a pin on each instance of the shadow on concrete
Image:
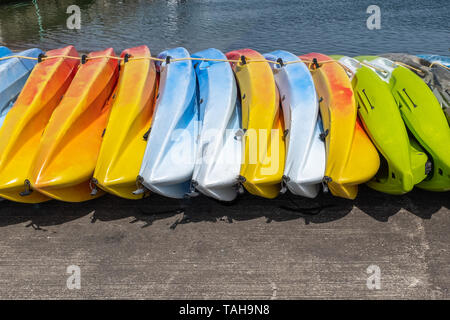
(325, 208)
(421, 203)
(43, 214)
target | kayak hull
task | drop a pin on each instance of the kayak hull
(351, 157)
(70, 144)
(124, 144)
(402, 165)
(168, 162)
(436, 76)
(25, 123)
(219, 153)
(262, 120)
(305, 151)
(4, 51)
(14, 73)
(424, 118)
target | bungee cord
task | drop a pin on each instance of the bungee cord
(312, 64)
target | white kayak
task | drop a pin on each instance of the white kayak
(219, 152)
(169, 158)
(305, 151)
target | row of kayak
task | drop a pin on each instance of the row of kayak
(74, 128)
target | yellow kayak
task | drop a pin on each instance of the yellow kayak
(25, 123)
(264, 147)
(124, 143)
(352, 159)
(70, 144)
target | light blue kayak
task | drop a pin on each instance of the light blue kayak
(436, 58)
(169, 158)
(305, 151)
(4, 51)
(219, 152)
(14, 73)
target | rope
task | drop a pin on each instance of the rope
(409, 67)
(203, 59)
(19, 57)
(310, 63)
(374, 67)
(171, 60)
(439, 64)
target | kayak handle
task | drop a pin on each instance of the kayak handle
(315, 63)
(371, 106)
(27, 190)
(41, 57)
(324, 135)
(415, 105)
(147, 134)
(280, 61)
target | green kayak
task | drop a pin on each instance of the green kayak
(423, 116)
(403, 163)
(436, 76)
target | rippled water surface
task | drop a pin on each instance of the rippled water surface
(298, 26)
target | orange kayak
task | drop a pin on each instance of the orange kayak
(123, 145)
(352, 159)
(71, 142)
(25, 123)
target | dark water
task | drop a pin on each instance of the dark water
(339, 27)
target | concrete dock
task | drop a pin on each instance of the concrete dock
(287, 248)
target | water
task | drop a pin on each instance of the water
(333, 27)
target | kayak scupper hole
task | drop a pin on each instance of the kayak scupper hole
(393, 175)
(243, 96)
(440, 171)
(201, 100)
(284, 97)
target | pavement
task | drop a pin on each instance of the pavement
(287, 248)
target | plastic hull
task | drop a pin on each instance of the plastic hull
(351, 157)
(25, 123)
(305, 151)
(219, 153)
(14, 73)
(124, 144)
(435, 75)
(168, 162)
(4, 51)
(264, 148)
(403, 165)
(424, 118)
(70, 144)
